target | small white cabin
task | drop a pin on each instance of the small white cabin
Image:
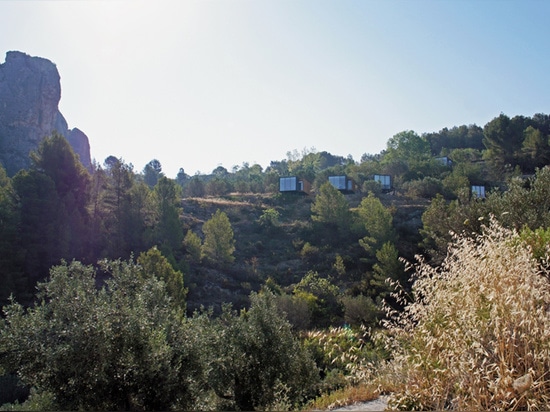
(384, 180)
(293, 184)
(343, 183)
(478, 191)
(445, 161)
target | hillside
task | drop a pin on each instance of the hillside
(276, 252)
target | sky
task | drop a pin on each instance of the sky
(198, 84)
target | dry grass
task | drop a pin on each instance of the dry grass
(345, 396)
(477, 333)
(249, 200)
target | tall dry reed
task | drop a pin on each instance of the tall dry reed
(477, 333)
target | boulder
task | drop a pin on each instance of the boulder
(30, 91)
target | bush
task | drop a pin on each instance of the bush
(477, 334)
(342, 353)
(360, 310)
(258, 363)
(426, 188)
(297, 309)
(125, 346)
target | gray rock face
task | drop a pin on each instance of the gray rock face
(29, 96)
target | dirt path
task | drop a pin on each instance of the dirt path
(379, 404)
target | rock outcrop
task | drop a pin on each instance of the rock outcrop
(29, 96)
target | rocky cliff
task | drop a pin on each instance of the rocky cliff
(29, 96)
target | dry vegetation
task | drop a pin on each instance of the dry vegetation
(477, 333)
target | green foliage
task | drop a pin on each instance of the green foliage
(297, 308)
(361, 310)
(37, 401)
(526, 203)
(42, 239)
(535, 148)
(387, 271)
(466, 214)
(116, 205)
(169, 230)
(427, 187)
(140, 218)
(538, 242)
(310, 253)
(217, 187)
(152, 172)
(461, 137)
(342, 354)
(408, 155)
(56, 159)
(12, 280)
(124, 346)
(261, 362)
(331, 207)
(503, 138)
(53, 200)
(375, 223)
(269, 218)
(192, 244)
(325, 306)
(339, 265)
(219, 244)
(154, 264)
(195, 187)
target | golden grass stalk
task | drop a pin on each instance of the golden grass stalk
(476, 335)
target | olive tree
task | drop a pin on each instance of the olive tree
(259, 364)
(123, 346)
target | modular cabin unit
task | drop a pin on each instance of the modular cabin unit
(343, 183)
(478, 191)
(385, 181)
(445, 161)
(293, 184)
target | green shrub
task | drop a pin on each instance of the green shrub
(360, 310)
(427, 187)
(258, 363)
(342, 352)
(124, 346)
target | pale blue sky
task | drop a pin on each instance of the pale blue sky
(197, 84)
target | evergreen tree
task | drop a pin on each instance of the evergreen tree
(169, 230)
(388, 269)
(152, 172)
(503, 138)
(192, 243)
(154, 264)
(57, 160)
(219, 244)
(376, 222)
(12, 279)
(116, 202)
(332, 208)
(41, 236)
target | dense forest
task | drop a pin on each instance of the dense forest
(126, 289)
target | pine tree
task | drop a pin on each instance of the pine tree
(219, 244)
